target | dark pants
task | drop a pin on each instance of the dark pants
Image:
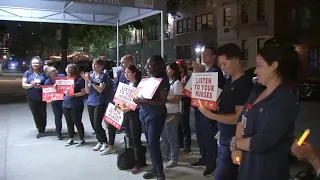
(58, 112)
(133, 130)
(153, 132)
(112, 131)
(96, 114)
(184, 129)
(225, 170)
(39, 112)
(206, 129)
(73, 118)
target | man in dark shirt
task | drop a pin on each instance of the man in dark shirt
(230, 104)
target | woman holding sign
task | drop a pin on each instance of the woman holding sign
(95, 85)
(73, 105)
(56, 105)
(132, 122)
(153, 113)
(32, 81)
(264, 134)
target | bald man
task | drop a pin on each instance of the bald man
(126, 61)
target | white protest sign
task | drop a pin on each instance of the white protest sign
(124, 95)
(113, 116)
(115, 71)
(147, 87)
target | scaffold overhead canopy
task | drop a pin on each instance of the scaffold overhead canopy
(92, 12)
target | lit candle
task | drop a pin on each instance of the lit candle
(200, 104)
(303, 137)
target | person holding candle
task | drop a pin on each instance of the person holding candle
(230, 104)
(265, 129)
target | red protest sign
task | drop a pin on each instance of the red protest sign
(65, 85)
(49, 93)
(113, 116)
(147, 87)
(188, 88)
(124, 95)
(205, 88)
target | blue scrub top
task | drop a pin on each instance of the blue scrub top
(34, 93)
(95, 98)
(235, 93)
(75, 102)
(270, 124)
(149, 112)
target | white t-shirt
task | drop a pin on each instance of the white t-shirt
(175, 89)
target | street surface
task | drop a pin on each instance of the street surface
(22, 156)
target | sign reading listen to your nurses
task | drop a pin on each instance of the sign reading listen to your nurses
(65, 85)
(113, 116)
(205, 89)
(49, 93)
(124, 95)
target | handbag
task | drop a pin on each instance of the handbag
(125, 159)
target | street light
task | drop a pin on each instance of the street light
(198, 49)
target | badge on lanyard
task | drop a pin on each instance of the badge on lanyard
(37, 80)
(244, 121)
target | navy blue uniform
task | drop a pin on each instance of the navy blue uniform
(206, 129)
(270, 124)
(34, 97)
(73, 109)
(56, 107)
(120, 78)
(235, 93)
(154, 118)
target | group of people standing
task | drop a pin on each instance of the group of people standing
(248, 137)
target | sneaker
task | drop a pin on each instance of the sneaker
(40, 135)
(81, 143)
(172, 164)
(161, 177)
(97, 147)
(208, 172)
(150, 174)
(60, 137)
(136, 170)
(197, 164)
(109, 150)
(104, 147)
(185, 152)
(69, 143)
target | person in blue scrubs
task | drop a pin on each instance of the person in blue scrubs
(96, 88)
(265, 129)
(32, 81)
(206, 129)
(153, 114)
(235, 94)
(73, 105)
(56, 105)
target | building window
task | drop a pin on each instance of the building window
(261, 10)
(184, 26)
(204, 22)
(153, 33)
(227, 16)
(184, 52)
(245, 12)
(314, 59)
(260, 43)
(245, 49)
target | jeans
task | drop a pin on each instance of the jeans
(96, 114)
(225, 170)
(39, 112)
(169, 137)
(133, 129)
(184, 125)
(74, 118)
(58, 112)
(153, 129)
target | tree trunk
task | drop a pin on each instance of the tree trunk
(64, 46)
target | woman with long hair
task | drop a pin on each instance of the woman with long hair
(56, 105)
(265, 131)
(169, 136)
(133, 127)
(73, 105)
(153, 114)
(96, 88)
(32, 81)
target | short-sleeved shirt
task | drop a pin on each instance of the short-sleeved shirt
(75, 102)
(149, 112)
(175, 89)
(95, 98)
(270, 125)
(235, 93)
(34, 93)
